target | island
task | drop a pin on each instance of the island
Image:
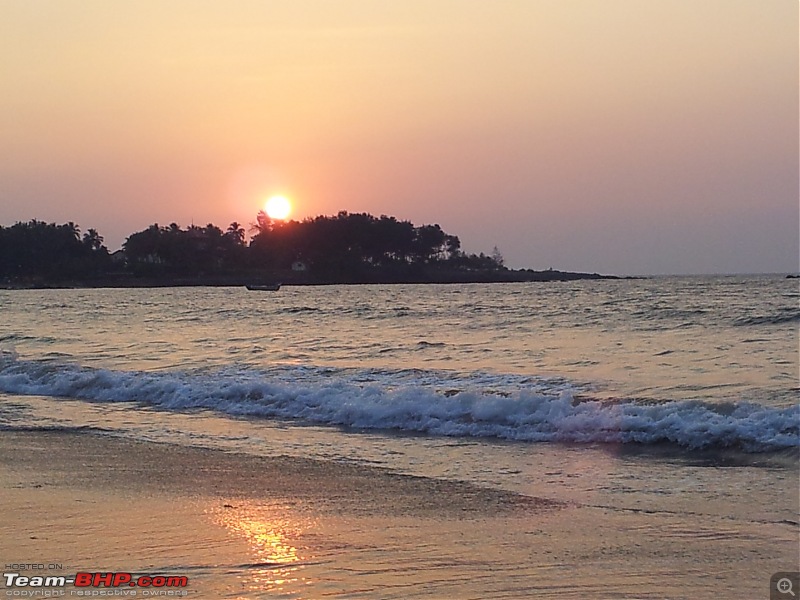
(346, 248)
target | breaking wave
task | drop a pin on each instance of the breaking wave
(509, 407)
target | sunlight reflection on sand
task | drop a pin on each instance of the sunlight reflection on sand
(271, 532)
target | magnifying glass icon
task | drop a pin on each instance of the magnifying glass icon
(785, 586)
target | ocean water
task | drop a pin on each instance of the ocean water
(699, 363)
(663, 395)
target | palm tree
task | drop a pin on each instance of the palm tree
(93, 240)
(236, 233)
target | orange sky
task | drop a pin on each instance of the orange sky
(617, 136)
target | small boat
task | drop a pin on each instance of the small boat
(267, 287)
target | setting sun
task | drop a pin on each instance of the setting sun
(278, 207)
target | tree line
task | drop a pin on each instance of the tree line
(36, 249)
(346, 246)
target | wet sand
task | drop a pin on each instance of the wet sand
(240, 526)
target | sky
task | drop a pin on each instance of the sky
(613, 136)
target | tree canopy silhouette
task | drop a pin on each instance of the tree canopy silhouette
(36, 249)
(342, 247)
(195, 250)
(350, 243)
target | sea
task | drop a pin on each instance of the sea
(687, 387)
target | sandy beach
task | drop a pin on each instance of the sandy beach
(241, 526)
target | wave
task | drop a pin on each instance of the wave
(786, 315)
(509, 407)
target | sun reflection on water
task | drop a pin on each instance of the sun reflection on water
(272, 533)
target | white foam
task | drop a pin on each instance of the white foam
(431, 402)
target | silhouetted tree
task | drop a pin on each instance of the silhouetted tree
(39, 250)
(235, 234)
(498, 259)
(345, 246)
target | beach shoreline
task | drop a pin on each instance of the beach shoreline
(232, 523)
(247, 526)
(87, 460)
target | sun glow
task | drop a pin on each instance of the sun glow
(278, 207)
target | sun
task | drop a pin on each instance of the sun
(278, 207)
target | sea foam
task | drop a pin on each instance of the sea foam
(509, 407)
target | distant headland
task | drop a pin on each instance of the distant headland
(347, 248)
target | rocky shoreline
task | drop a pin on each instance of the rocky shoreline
(303, 279)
